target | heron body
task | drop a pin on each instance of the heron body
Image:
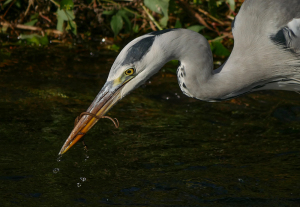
(266, 55)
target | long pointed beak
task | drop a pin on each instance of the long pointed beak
(107, 97)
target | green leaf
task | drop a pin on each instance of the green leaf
(4, 28)
(65, 15)
(135, 28)
(218, 49)
(60, 25)
(61, 15)
(160, 7)
(72, 26)
(178, 24)
(196, 28)
(31, 23)
(7, 2)
(35, 39)
(44, 40)
(114, 47)
(109, 12)
(18, 3)
(34, 16)
(116, 24)
(67, 4)
(164, 21)
(124, 14)
(70, 14)
(231, 4)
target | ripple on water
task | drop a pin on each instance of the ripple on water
(55, 170)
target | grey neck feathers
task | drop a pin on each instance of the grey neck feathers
(240, 74)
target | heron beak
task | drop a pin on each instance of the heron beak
(107, 97)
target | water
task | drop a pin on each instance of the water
(170, 150)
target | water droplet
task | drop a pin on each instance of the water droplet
(78, 185)
(82, 179)
(87, 157)
(59, 158)
(178, 96)
(240, 180)
(103, 39)
(55, 170)
(167, 98)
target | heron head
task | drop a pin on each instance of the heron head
(137, 62)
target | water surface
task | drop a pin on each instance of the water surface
(170, 150)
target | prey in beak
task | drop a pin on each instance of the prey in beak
(133, 66)
(107, 97)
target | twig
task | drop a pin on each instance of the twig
(44, 17)
(230, 17)
(54, 31)
(152, 26)
(32, 28)
(221, 37)
(210, 16)
(21, 26)
(8, 9)
(56, 4)
(194, 14)
(30, 2)
(151, 17)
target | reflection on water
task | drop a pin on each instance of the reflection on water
(170, 150)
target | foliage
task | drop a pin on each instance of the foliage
(65, 13)
(86, 19)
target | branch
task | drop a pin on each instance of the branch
(229, 35)
(210, 16)
(8, 8)
(151, 17)
(32, 28)
(30, 3)
(44, 17)
(197, 16)
(56, 4)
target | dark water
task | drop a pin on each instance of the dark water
(170, 150)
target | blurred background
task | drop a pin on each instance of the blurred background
(111, 23)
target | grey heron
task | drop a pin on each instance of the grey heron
(266, 55)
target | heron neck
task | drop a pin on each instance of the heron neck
(196, 76)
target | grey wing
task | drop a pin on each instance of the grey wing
(289, 36)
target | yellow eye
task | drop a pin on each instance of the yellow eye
(129, 71)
